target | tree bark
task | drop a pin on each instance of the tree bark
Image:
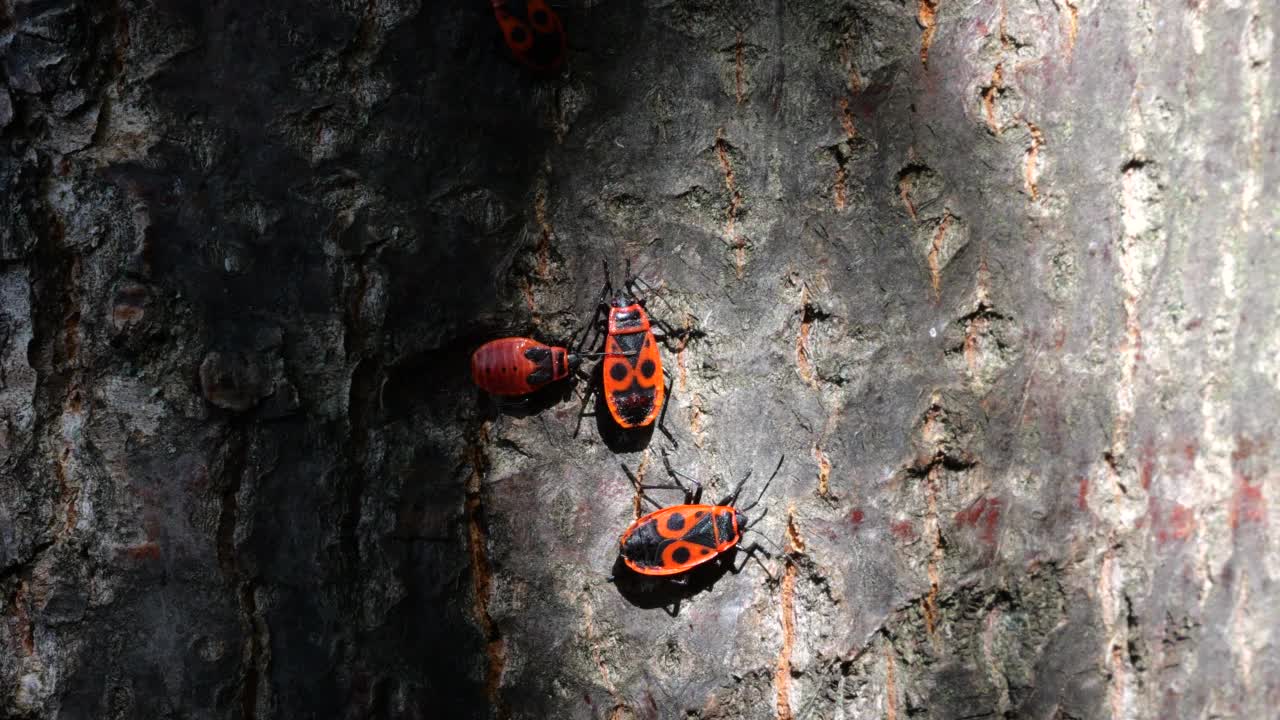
(997, 278)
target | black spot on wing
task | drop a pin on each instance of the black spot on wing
(647, 368)
(680, 555)
(618, 371)
(675, 521)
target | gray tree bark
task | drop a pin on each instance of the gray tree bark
(997, 277)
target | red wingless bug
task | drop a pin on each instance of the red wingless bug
(536, 38)
(520, 365)
(675, 539)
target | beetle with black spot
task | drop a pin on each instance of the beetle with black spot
(634, 384)
(675, 539)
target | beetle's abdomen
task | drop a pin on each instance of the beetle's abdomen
(644, 546)
(511, 366)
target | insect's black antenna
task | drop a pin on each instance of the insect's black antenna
(636, 282)
(762, 490)
(756, 520)
(637, 277)
(676, 475)
(732, 497)
(763, 567)
(764, 537)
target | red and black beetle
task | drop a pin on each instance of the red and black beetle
(536, 37)
(675, 539)
(632, 377)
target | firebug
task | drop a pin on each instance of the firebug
(675, 539)
(535, 37)
(633, 381)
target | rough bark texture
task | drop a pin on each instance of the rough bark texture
(998, 277)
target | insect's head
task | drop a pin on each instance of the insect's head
(621, 298)
(575, 362)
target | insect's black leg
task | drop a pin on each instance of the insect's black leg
(666, 403)
(582, 412)
(592, 324)
(733, 494)
(750, 553)
(674, 610)
(756, 520)
(766, 486)
(666, 332)
(641, 488)
(602, 305)
(689, 498)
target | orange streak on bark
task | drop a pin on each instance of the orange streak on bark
(1073, 26)
(989, 98)
(935, 250)
(637, 507)
(695, 419)
(846, 120)
(824, 471)
(738, 242)
(975, 328)
(482, 575)
(935, 556)
(782, 675)
(927, 16)
(904, 191)
(891, 691)
(795, 543)
(803, 364)
(1032, 155)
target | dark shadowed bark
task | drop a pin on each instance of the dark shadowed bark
(998, 278)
